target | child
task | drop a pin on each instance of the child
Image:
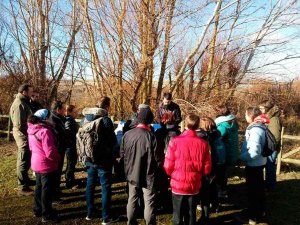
(44, 162)
(228, 128)
(255, 162)
(186, 161)
(208, 194)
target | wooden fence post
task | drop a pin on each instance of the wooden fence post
(280, 152)
(8, 129)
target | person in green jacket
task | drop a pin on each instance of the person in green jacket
(19, 113)
(228, 127)
(272, 111)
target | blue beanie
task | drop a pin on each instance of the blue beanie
(43, 114)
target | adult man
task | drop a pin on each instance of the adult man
(168, 106)
(102, 159)
(58, 120)
(19, 113)
(141, 163)
(35, 105)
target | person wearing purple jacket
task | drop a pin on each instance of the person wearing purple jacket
(45, 159)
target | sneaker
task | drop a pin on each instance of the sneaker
(89, 217)
(109, 221)
(252, 222)
(25, 192)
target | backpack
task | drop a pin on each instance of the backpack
(86, 140)
(270, 144)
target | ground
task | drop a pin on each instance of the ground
(283, 205)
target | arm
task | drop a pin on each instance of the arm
(170, 158)
(254, 144)
(275, 128)
(177, 114)
(206, 160)
(48, 143)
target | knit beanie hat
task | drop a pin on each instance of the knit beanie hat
(145, 116)
(42, 114)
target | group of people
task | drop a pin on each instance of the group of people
(163, 167)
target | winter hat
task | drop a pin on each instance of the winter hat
(145, 116)
(42, 114)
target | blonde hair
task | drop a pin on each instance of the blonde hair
(206, 123)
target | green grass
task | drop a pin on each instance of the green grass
(283, 206)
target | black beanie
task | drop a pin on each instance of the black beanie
(145, 116)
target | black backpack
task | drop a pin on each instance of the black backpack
(270, 144)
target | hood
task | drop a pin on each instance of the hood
(222, 119)
(274, 111)
(23, 97)
(94, 111)
(33, 128)
(262, 119)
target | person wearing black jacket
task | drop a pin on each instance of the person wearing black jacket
(141, 164)
(58, 120)
(168, 106)
(71, 127)
(102, 159)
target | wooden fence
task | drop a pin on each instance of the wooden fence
(8, 130)
(285, 157)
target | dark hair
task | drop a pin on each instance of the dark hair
(69, 109)
(24, 87)
(253, 112)
(104, 102)
(268, 104)
(207, 123)
(34, 119)
(222, 110)
(167, 96)
(57, 105)
(192, 121)
(145, 116)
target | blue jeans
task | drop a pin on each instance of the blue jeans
(105, 181)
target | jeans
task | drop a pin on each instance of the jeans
(105, 181)
(71, 163)
(184, 209)
(271, 171)
(43, 193)
(23, 159)
(132, 205)
(256, 191)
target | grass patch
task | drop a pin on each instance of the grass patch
(283, 205)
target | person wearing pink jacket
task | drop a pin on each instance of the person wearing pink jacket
(186, 161)
(44, 162)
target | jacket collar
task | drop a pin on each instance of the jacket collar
(222, 119)
(189, 133)
(144, 126)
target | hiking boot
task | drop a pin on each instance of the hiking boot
(25, 191)
(51, 219)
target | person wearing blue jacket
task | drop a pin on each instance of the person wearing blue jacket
(255, 162)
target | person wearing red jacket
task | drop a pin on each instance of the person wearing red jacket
(45, 160)
(186, 161)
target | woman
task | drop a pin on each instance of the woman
(71, 129)
(44, 162)
(255, 162)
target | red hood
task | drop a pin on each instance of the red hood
(262, 119)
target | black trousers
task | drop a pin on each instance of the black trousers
(71, 163)
(44, 190)
(59, 171)
(256, 191)
(184, 209)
